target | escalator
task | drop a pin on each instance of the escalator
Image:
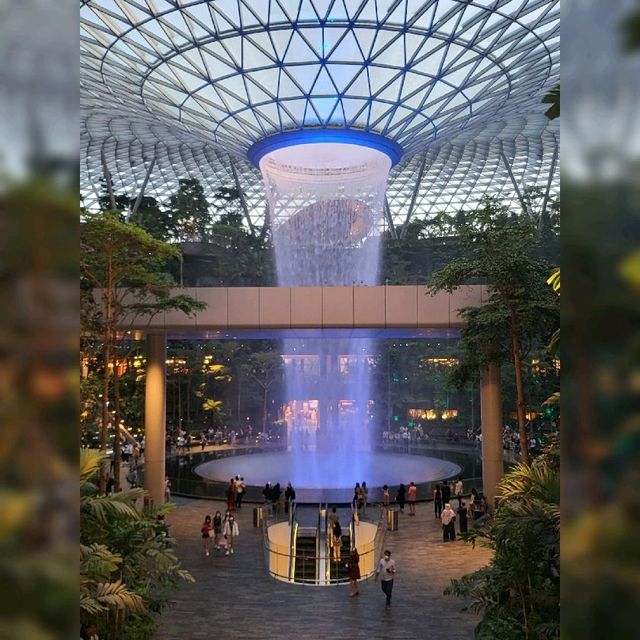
(337, 568)
(305, 556)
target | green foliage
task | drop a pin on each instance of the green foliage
(552, 98)
(498, 252)
(128, 566)
(123, 255)
(153, 218)
(128, 267)
(189, 211)
(631, 31)
(518, 594)
(520, 310)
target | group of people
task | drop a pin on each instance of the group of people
(448, 517)
(279, 500)
(360, 500)
(385, 571)
(222, 531)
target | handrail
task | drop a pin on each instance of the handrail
(292, 552)
(352, 536)
(318, 531)
(327, 546)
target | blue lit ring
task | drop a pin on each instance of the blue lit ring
(308, 136)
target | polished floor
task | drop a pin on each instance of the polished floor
(234, 598)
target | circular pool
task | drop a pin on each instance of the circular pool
(309, 470)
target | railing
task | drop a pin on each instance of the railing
(279, 556)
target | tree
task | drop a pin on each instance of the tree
(212, 373)
(520, 308)
(189, 211)
(121, 201)
(228, 203)
(127, 266)
(519, 592)
(155, 220)
(553, 98)
(265, 368)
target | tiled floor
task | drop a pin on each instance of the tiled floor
(234, 598)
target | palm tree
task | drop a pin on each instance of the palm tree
(127, 564)
(102, 592)
(519, 592)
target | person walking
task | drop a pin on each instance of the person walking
(446, 493)
(463, 514)
(437, 501)
(230, 533)
(217, 529)
(276, 492)
(205, 530)
(401, 497)
(241, 487)
(290, 497)
(353, 566)
(357, 501)
(365, 497)
(411, 495)
(386, 567)
(448, 519)
(337, 540)
(385, 496)
(231, 495)
(167, 489)
(458, 489)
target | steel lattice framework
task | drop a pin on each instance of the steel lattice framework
(178, 88)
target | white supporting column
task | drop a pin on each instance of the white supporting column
(491, 420)
(155, 417)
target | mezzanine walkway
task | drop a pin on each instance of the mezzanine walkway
(234, 598)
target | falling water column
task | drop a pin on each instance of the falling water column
(326, 191)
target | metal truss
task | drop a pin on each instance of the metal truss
(177, 88)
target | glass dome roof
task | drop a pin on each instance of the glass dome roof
(194, 84)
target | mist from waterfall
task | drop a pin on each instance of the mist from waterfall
(325, 229)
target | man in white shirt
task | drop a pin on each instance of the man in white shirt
(386, 567)
(448, 519)
(458, 491)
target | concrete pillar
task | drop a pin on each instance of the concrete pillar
(491, 423)
(155, 417)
